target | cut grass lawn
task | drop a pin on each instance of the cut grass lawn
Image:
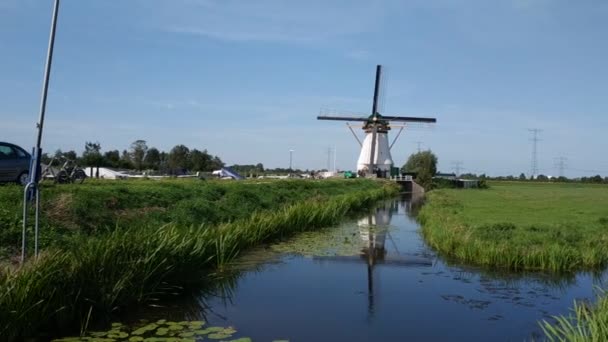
(549, 226)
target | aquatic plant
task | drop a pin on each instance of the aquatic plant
(160, 331)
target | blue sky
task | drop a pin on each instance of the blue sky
(246, 79)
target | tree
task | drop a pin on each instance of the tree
(216, 163)
(522, 176)
(138, 152)
(424, 164)
(92, 155)
(125, 160)
(596, 179)
(199, 161)
(152, 158)
(112, 158)
(179, 157)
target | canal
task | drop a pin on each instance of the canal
(374, 279)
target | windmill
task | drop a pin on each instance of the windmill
(375, 153)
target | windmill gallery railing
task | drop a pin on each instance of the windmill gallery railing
(402, 178)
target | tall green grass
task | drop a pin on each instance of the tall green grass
(99, 275)
(586, 325)
(97, 207)
(550, 227)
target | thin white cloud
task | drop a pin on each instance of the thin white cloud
(270, 20)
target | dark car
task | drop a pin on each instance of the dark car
(14, 163)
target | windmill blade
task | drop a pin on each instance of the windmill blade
(340, 118)
(409, 119)
(377, 89)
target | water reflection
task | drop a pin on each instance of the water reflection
(373, 232)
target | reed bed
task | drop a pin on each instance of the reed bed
(91, 277)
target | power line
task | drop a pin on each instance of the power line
(418, 143)
(457, 166)
(535, 140)
(560, 164)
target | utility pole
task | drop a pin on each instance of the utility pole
(419, 143)
(290, 159)
(560, 164)
(32, 190)
(457, 166)
(534, 167)
(335, 169)
(328, 159)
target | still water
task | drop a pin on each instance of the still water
(374, 279)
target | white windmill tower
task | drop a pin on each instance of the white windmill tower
(375, 156)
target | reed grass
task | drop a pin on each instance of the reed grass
(97, 207)
(587, 324)
(94, 276)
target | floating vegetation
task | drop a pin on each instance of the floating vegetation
(160, 331)
(343, 240)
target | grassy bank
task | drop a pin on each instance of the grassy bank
(556, 227)
(97, 207)
(91, 277)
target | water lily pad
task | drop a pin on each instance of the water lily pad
(218, 336)
(116, 325)
(242, 339)
(187, 334)
(176, 327)
(202, 332)
(162, 331)
(120, 334)
(98, 333)
(136, 339)
(215, 329)
(229, 331)
(161, 321)
(144, 329)
(196, 324)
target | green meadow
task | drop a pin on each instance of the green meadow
(533, 226)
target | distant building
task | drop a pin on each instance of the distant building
(450, 176)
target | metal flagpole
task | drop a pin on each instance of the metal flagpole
(31, 189)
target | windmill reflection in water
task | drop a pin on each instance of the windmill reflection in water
(373, 232)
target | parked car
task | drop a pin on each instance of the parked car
(14, 163)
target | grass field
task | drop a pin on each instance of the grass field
(99, 271)
(556, 227)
